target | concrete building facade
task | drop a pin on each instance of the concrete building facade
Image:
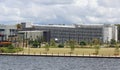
(78, 32)
(7, 31)
(30, 34)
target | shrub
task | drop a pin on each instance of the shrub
(83, 43)
(3, 49)
(97, 47)
(19, 49)
(47, 47)
(61, 46)
(10, 49)
(111, 45)
(35, 44)
(52, 43)
(95, 41)
(6, 50)
(113, 42)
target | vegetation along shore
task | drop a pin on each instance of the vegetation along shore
(71, 48)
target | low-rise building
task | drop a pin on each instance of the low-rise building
(7, 31)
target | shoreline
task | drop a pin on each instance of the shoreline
(58, 55)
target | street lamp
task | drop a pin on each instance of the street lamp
(23, 39)
(56, 39)
(107, 41)
(26, 39)
(101, 40)
(49, 36)
(78, 38)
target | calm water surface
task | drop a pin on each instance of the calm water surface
(57, 63)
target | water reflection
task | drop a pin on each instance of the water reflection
(57, 63)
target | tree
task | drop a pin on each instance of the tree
(96, 44)
(66, 43)
(19, 26)
(35, 44)
(116, 50)
(71, 44)
(47, 47)
(42, 39)
(83, 43)
(113, 43)
(52, 43)
(30, 42)
(97, 47)
(95, 41)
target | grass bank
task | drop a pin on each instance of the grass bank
(78, 51)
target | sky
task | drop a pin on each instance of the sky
(60, 11)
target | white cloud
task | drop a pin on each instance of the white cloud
(81, 3)
(60, 11)
(109, 3)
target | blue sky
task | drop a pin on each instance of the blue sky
(60, 11)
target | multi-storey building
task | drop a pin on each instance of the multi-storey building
(7, 31)
(80, 32)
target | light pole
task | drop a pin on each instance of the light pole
(107, 41)
(78, 38)
(56, 40)
(69, 36)
(26, 39)
(49, 37)
(100, 40)
(23, 39)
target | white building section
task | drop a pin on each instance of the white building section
(30, 34)
(8, 30)
(109, 32)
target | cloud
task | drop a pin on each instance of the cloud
(109, 3)
(81, 3)
(60, 11)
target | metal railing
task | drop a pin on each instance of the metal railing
(59, 55)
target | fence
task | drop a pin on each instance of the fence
(60, 55)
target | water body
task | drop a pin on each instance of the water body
(57, 63)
